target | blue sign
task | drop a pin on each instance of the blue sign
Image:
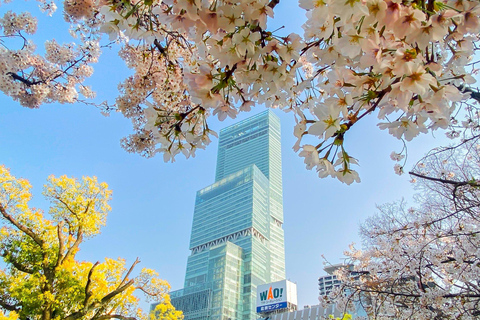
(272, 307)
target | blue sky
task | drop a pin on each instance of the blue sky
(153, 201)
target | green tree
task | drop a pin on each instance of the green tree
(42, 279)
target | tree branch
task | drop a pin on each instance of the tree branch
(114, 316)
(121, 287)
(66, 205)
(105, 300)
(273, 3)
(88, 293)
(414, 295)
(101, 305)
(73, 248)
(17, 265)
(119, 290)
(129, 271)
(21, 79)
(9, 307)
(160, 47)
(454, 183)
(474, 94)
(22, 228)
(61, 242)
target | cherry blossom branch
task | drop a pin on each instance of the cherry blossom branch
(414, 295)
(159, 47)
(444, 149)
(21, 79)
(369, 110)
(446, 181)
(474, 94)
(273, 3)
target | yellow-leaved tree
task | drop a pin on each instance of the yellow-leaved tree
(41, 278)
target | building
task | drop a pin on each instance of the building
(327, 283)
(330, 281)
(237, 239)
(308, 313)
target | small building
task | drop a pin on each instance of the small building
(316, 312)
(328, 282)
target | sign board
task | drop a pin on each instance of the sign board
(276, 295)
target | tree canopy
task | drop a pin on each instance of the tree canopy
(43, 280)
(411, 63)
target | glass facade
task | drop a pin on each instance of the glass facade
(237, 240)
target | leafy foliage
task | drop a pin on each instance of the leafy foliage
(42, 278)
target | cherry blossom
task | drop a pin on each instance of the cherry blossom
(410, 63)
(421, 262)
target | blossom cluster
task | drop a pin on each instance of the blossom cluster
(169, 121)
(193, 60)
(408, 61)
(405, 60)
(33, 79)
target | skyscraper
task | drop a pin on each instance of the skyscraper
(237, 240)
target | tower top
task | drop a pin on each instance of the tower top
(249, 142)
